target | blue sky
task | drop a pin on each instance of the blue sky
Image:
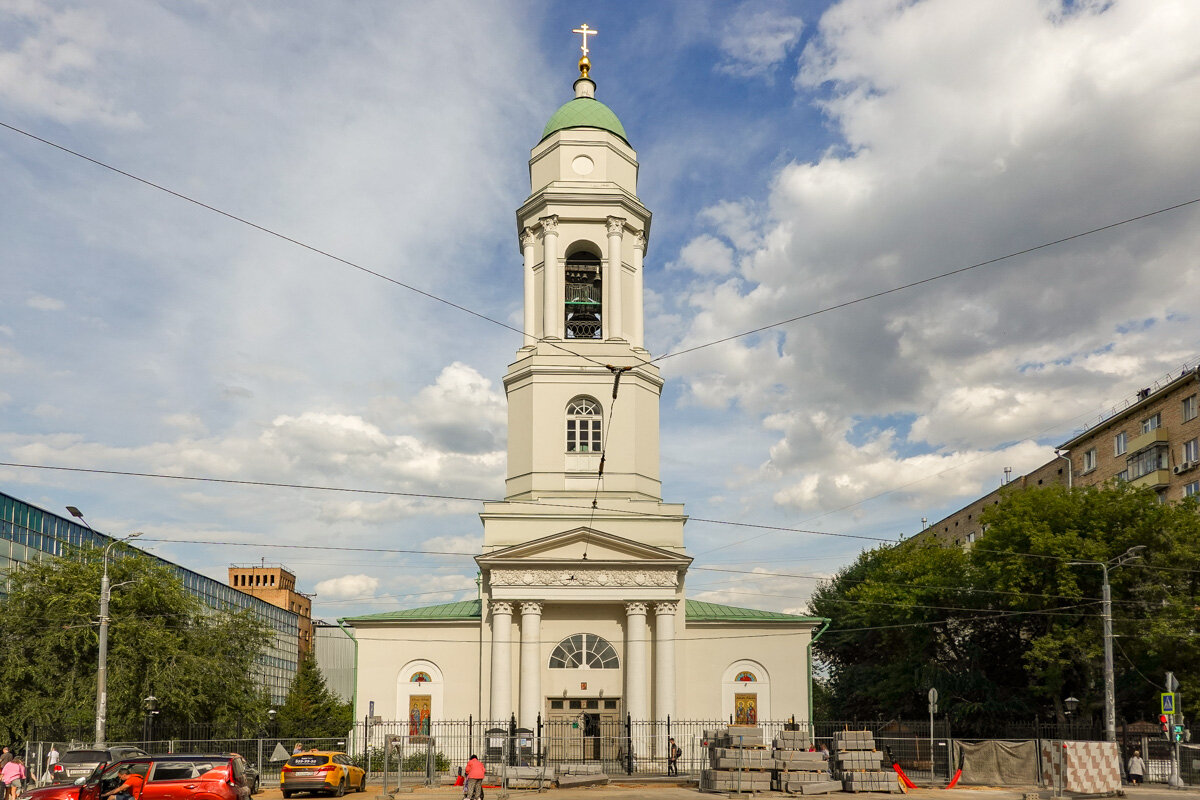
(794, 155)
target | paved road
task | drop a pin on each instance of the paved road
(659, 791)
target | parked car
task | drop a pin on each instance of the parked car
(318, 771)
(174, 776)
(74, 764)
(251, 776)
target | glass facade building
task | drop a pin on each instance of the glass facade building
(29, 533)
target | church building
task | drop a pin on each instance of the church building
(582, 611)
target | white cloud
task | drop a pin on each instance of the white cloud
(50, 64)
(467, 545)
(755, 42)
(969, 131)
(705, 255)
(43, 303)
(348, 587)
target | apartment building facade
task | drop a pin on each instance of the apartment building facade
(1150, 440)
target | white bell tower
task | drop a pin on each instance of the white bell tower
(577, 456)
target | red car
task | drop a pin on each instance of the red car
(168, 777)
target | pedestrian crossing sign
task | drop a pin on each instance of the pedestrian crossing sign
(1168, 702)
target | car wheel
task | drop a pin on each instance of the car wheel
(286, 794)
(362, 785)
(254, 787)
(341, 789)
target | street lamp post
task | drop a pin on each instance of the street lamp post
(150, 706)
(1110, 699)
(102, 666)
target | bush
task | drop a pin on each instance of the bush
(415, 762)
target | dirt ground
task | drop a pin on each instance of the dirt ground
(667, 791)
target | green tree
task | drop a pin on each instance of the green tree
(162, 641)
(1005, 630)
(311, 709)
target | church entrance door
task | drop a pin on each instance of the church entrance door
(583, 729)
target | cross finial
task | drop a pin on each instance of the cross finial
(584, 31)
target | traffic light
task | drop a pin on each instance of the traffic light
(1166, 726)
(1178, 733)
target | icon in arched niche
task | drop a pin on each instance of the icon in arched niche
(418, 714)
(745, 709)
(745, 677)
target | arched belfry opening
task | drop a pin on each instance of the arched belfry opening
(582, 296)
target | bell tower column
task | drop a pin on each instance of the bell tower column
(636, 337)
(612, 279)
(552, 312)
(527, 242)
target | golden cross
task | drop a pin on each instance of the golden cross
(584, 31)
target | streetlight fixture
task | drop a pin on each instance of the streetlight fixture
(102, 667)
(1072, 704)
(150, 705)
(1110, 699)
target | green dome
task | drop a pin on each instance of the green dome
(584, 112)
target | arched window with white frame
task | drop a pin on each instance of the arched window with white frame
(584, 416)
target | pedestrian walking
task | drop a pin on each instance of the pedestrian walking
(14, 775)
(475, 771)
(673, 754)
(1137, 768)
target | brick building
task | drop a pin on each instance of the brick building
(1150, 440)
(276, 584)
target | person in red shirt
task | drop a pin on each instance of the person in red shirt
(130, 787)
(475, 772)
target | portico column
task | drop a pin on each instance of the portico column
(637, 336)
(501, 660)
(531, 664)
(612, 278)
(552, 312)
(527, 242)
(664, 660)
(637, 645)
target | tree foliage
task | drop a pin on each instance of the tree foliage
(311, 710)
(162, 641)
(1008, 628)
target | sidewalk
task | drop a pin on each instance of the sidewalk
(631, 790)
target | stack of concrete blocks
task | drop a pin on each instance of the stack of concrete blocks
(738, 760)
(858, 763)
(798, 771)
(581, 775)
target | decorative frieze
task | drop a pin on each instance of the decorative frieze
(565, 577)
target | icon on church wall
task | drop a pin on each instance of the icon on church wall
(745, 677)
(420, 677)
(418, 714)
(745, 709)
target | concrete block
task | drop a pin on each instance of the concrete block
(568, 781)
(817, 787)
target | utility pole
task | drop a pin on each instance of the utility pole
(1110, 699)
(102, 667)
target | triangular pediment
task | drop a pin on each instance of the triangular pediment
(584, 545)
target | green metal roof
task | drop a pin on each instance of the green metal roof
(463, 610)
(699, 611)
(585, 112)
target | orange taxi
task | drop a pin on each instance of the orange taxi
(321, 771)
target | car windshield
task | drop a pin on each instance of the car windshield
(83, 756)
(307, 760)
